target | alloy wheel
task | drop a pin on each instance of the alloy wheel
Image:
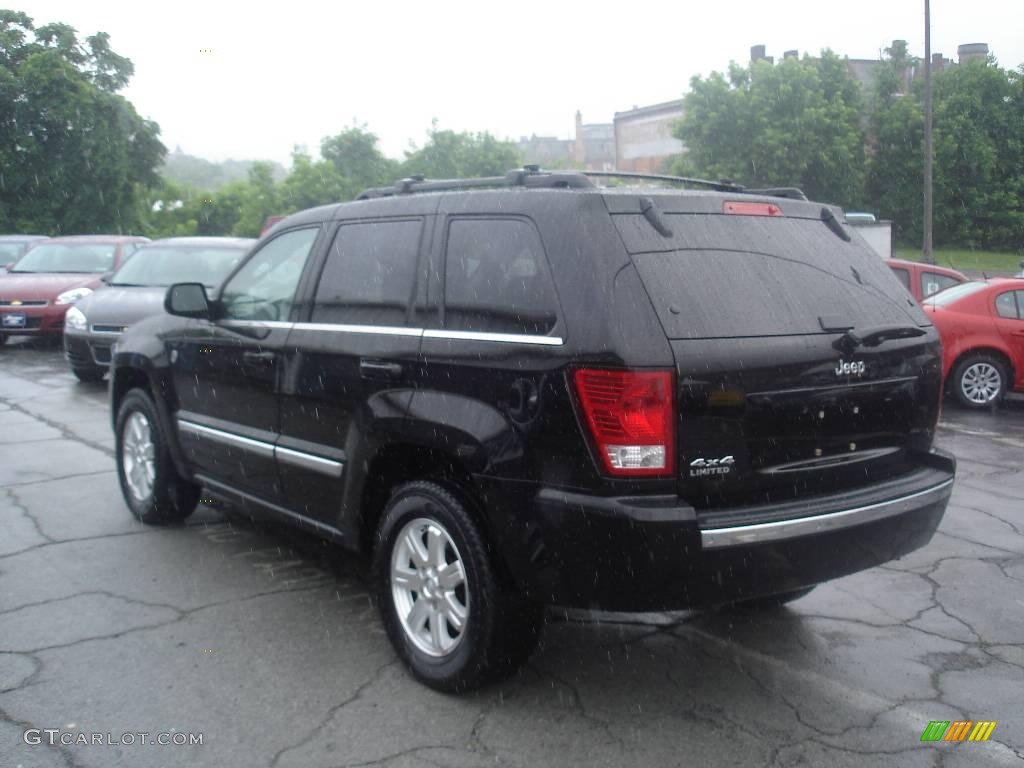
(138, 456)
(981, 383)
(428, 587)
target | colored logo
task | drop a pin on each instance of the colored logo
(958, 730)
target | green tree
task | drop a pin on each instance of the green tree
(794, 123)
(451, 155)
(358, 161)
(74, 155)
(259, 198)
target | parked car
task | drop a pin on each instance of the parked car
(137, 290)
(548, 392)
(38, 288)
(982, 329)
(13, 247)
(924, 280)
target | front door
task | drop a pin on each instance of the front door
(226, 371)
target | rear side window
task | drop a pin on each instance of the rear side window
(496, 278)
(370, 274)
(932, 282)
(1006, 304)
(903, 275)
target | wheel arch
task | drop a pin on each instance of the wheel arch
(1002, 355)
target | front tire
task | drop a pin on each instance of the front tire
(450, 620)
(979, 381)
(151, 487)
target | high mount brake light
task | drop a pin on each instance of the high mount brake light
(751, 209)
(631, 419)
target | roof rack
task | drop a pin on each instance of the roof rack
(531, 176)
(724, 185)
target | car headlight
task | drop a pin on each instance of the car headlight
(70, 297)
(75, 319)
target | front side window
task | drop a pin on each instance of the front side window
(264, 288)
(496, 278)
(933, 282)
(370, 274)
(1006, 305)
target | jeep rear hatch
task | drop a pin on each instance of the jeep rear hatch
(802, 365)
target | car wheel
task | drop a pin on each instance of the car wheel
(452, 623)
(89, 375)
(149, 482)
(979, 381)
(767, 602)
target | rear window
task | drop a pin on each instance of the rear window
(722, 276)
(933, 282)
(957, 292)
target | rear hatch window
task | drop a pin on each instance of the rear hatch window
(727, 276)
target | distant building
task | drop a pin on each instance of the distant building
(643, 137)
(593, 148)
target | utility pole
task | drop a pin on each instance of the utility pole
(929, 258)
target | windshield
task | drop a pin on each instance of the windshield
(160, 265)
(11, 252)
(88, 258)
(955, 293)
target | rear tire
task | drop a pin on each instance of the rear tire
(89, 375)
(979, 381)
(767, 602)
(448, 617)
(151, 486)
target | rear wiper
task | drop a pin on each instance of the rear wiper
(872, 337)
(833, 223)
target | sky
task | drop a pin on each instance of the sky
(251, 81)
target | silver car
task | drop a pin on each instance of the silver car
(137, 291)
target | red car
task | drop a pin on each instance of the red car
(924, 280)
(982, 330)
(38, 288)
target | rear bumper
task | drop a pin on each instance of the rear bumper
(657, 553)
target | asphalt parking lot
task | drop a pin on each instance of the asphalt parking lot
(266, 644)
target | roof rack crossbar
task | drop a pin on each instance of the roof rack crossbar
(528, 176)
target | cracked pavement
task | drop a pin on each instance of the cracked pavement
(267, 643)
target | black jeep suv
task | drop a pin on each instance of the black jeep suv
(531, 390)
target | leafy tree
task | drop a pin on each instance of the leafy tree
(451, 155)
(200, 173)
(358, 161)
(74, 155)
(260, 198)
(795, 123)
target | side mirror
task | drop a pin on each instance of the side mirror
(187, 300)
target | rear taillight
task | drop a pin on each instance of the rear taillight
(751, 209)
(631, 418)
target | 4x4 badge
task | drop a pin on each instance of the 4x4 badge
(853, 368)
(706, 467)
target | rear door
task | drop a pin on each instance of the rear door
(1009, 319)
(771, 404)
(350, 364)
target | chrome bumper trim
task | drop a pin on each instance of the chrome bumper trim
(717, 538)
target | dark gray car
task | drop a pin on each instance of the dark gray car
(137, 291)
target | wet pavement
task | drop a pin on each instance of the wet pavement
(266, 643)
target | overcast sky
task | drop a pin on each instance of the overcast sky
(293, 72)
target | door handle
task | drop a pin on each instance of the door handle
(378, 369)
(258, 358)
